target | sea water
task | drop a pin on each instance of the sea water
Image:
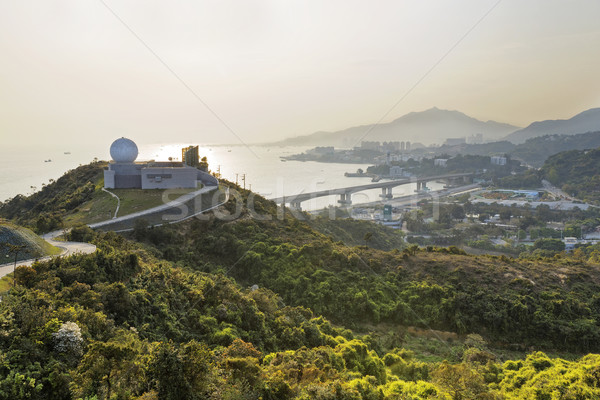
(23, 170)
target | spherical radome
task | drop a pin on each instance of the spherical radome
(124, 150)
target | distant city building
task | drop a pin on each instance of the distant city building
(395, 171)
(455, 141)
(190, 156)
(370, 146)
(322, 151)
(475, 139)
(407, 146)
(497, 160)
(440, 162)
(390, 146)
(124, 173)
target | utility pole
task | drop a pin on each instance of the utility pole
(244, 179)
(15, 248)
(236, 178)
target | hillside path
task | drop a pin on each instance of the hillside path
(68, 248)
(87, 248)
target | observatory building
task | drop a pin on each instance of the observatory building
(124, 173)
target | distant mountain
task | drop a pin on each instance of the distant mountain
(430, 126)
(533, 152)
(536, 150)
(587, 121)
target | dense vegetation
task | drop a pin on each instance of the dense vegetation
(121, 323)
(576, 172)
(535, 151)
(267, 305)
(354, 233)
(504, 300)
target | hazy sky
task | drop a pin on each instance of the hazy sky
(71, 70)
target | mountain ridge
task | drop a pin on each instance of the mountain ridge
(583, 122)
(434, 123)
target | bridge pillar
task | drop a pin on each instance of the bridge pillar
(418, 186)
(296, 205)
(345, 198)
(423, 185)
(386, 193)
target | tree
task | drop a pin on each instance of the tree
(68, 339)
(457, 211)
(549, 244)
(182, 372)
(203, 165)
(527, 221)
(505, 214)
(461, 381)
(107, 368)
(368, 237)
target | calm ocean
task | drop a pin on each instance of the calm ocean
(23, 171)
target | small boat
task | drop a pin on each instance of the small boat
(67, 152)
(48, 160)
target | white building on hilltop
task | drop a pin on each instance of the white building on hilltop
(124, 173)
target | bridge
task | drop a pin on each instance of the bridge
(386, 189)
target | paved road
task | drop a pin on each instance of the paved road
(170, 205)
(67, 247)
(70, 248)
(555, 191)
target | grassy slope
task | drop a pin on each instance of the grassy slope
(77, 197)
(36, 246)
(102, 205)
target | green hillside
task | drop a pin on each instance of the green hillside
(576, 172)
(280, 308)
(45, 210)
(536, 151)
(77, 197)
(124, 324)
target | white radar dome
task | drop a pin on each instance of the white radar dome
(123, 150)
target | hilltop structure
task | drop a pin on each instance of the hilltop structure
(191, 156)
(124, 173)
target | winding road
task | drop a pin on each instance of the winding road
(68, 248)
